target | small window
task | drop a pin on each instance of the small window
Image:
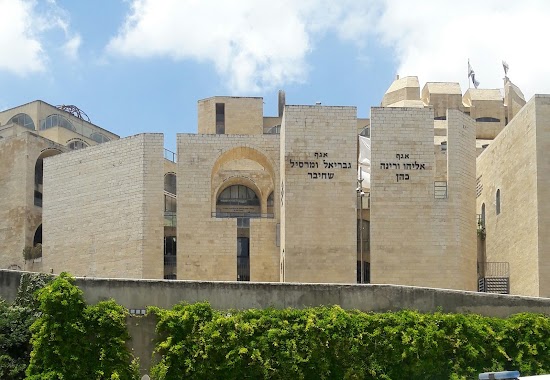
(488, 120)
(440, 118)
(275, 130)
(483, 214)
(365, 132)
(23, 120)
(220, 118)
(497, 201)
(170, 183)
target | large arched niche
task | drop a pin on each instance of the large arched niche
(243, 153)
(243, 166)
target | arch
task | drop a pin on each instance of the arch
(37, 239)
(76, 144)
(14, 267)
(243, 152)
(23, 120)
(39, 174)
(497, 202)
(99, 137)
(170, 183)
(56, 120)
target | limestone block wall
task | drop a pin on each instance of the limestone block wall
(207, 245)
(459, 251)
(319, 181)
(19, 217)
(415, 238)
(509, 164)
(103, 209)
(243, 115)
(542, 114)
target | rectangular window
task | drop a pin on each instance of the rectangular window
(220, 118)
(440, 189)
(243, 259)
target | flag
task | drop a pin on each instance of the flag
(470, 70)
(506, 67)
(474, 81)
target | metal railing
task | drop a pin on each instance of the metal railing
(241, 215)
(493, 269)
(170, 156)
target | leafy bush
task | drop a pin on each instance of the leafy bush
(197, 342)
(71, 340)
(15, 322)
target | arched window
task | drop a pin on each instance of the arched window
(99, 137)
(497, 202)
(365, 132)
(56, 120)
(270, 203)
(23, 120)
(77, 144)
(237, 200)
(170, 183)
(488, 119)
(37, 236)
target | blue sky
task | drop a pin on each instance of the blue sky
(141, 65)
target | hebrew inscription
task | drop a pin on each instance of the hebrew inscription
(403, 165)
(319, 162)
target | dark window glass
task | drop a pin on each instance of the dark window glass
(170, 183)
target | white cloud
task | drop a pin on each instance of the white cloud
(434, 40)
(261, 44)
(22, 33)
(254, 44)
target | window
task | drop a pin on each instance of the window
(56, 121)
(440, 118)
(243, 259)
(170, 183)
(270, 203)
(220, 118)
(170, 259)
(365, 132)
(483, 215)
(497, 202)
(488, 120)
(23, 120)
(99, 138)
(77, 144)
(238, 195)
(275, 130)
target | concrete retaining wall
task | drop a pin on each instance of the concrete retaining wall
(138, 294)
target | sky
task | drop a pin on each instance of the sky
(138, 66)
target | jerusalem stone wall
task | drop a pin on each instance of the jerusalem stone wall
(509, 163)
(319, 181)
(542, 114)
(103, 209)
(416, 238)
(19, 217)
(207, 245)
(243, 115)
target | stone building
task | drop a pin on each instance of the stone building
(277, 198)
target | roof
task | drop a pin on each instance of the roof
(404, 82)
(483, 94)
(444, 88)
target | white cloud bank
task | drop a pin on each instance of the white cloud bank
(22, 33)
(260, 44)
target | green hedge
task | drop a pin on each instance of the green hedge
(197, 342)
